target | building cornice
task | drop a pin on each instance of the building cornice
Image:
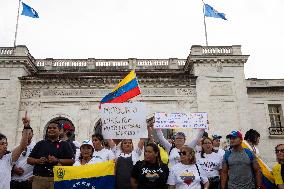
(10, 56)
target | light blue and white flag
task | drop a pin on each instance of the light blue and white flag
(209, 11)
(29, 11)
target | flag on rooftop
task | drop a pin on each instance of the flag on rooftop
(125, 90)
(209, 11)
(29, 11)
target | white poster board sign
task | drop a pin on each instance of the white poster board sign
(124, 120)
(180, 120)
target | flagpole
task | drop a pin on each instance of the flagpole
(16, 32)
(204, 21)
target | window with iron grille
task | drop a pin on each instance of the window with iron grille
(276, 119)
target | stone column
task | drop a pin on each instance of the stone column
(221, 87)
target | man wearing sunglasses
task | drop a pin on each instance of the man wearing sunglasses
(22, 172)
(278, 169)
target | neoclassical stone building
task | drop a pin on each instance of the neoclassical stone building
(211, 80)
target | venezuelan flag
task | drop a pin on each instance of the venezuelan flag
(94, 176)
(267, 177)
(125, 90)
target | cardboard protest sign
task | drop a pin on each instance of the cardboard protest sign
(124, 120)
(180, 120)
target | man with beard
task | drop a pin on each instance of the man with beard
(240, 169)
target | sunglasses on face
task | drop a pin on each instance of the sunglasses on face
(281, 150)
(182, 153)
(24, 153)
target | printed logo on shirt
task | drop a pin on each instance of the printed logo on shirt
(97, 157)
(187, 177)
(209, 165)
(151, 175)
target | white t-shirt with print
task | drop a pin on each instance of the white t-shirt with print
(211, 163)
(186, 176)
(103, 155)
(22, 162)
(136, 153)
(78, 162)
(5, 171)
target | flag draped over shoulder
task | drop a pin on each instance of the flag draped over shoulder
(209, 11)
(267, 177)
(93, 176)
(29, 11)
(125, 90)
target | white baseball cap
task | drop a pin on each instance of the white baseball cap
(87, 142)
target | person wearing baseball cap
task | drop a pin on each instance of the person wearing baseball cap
(66, 134)
(240, 168)
(86, 153)
(216, 144)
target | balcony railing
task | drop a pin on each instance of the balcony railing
(276, 131)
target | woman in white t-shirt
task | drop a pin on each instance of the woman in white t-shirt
(187, 174)
(126, 157)
(211, 162)
(86, 153)
(179, 141)
(101, 154)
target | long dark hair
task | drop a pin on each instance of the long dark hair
(100, 137)
(252, 136)
(156, 150)
(202, 142)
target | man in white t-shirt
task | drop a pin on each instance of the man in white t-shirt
(22, 172)
(8, 158)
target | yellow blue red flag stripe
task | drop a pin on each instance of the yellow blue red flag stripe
(267, 177)
(125, 90)
(94, 176)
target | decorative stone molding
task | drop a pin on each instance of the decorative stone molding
(186, 91)
(30, 93)
(265, 82)
(103, 92)
(84, 105)
(219, 66)
(24, 105)
(74, 92)
(277, 92)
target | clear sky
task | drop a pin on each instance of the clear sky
(148, 29)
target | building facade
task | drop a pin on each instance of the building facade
(211, 80)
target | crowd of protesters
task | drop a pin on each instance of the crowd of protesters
(200, 163)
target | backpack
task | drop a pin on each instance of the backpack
(249, 154)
